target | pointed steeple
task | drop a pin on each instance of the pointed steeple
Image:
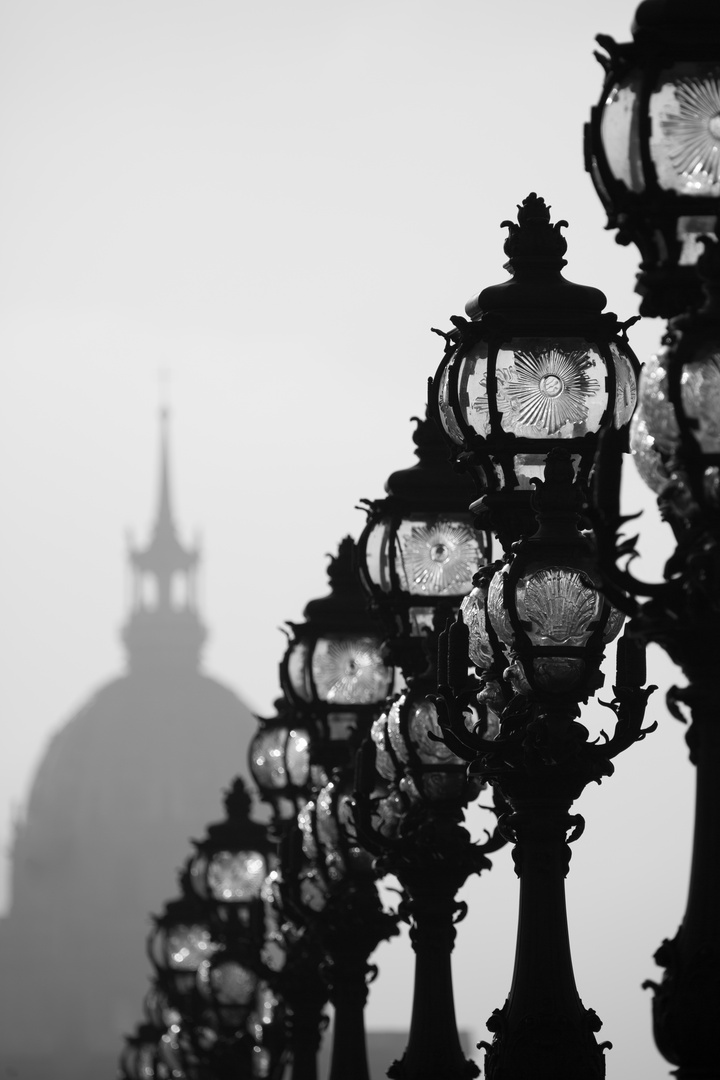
(164, 620)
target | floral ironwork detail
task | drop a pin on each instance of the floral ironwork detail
(694, 131)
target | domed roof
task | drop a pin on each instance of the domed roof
(121, 789)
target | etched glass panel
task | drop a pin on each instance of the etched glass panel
(267, 758)
(297, 670)
(473, 612)
(560, 604)
(422, 726)
(350, 671)
(236, 876)
(377, 555)
(232, 984)
(685, 132)
(625, 387)
(472, 388)
(496, 610)
(700, 395)
(189, 946)
(447, 417)
(619, 133)
(297, 757)
(394, 730)
(383, 761)
(551, 388)
(437, 558)
(657, 409)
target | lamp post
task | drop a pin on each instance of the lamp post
(335, 678)
(523, 392)
(652, 146)
(418, 553)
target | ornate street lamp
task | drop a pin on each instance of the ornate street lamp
(279, 759)
(676, 445)
(524, 392)
(538, 365)
(652, 146)
(418, 554)
(333, 673)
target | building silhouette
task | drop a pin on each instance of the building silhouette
(122, 786)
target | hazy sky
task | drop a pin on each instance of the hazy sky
(274, 203)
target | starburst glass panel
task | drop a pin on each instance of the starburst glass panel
(625, 387)
(350, 671)
(700, 395)
(473, 612)
(437, 557)
(188, 946)
(619, 132)
(447, 416)
(472, 388)
(551, 388)
(559, 604)
(685, 134)
(236, 876)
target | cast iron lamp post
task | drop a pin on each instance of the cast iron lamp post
(524, 391)
(418, 553)
(335, 678)
(676, 444)
(652, 146)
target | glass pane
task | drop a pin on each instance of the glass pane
(350, 671)
(305, 820)
(383, 761)
(377, 555)
(236, 875)
(619, 134)
(188, 946)
(700, 395)
(625, 387)
(447, 417)
(496, 610)
(560, 604)
(297, 670)
(551, 388)
(614, 624)
(424, 723)
(472, 388)
(232, 984)
(685, 135)
(646, 456)
(689, 231)
(267, 758)
(656, 407)
(297, 756)
(473, 612)
(437, 557)
(394, 730)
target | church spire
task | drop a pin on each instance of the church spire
(164, 579)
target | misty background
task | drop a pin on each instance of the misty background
(255, 212)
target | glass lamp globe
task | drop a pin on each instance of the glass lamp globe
(334, 674)
(419, 549)
(279, 759)
(653, 145)
(141, 1059)
(230, 865)
(539, 365)
(179, 943)
(545, 604)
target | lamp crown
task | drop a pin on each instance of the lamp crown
(534, 236)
